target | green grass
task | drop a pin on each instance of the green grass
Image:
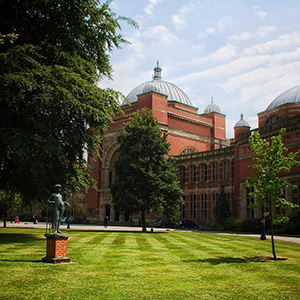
(128, 265)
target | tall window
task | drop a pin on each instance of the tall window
(192, 174)
(203, 206)
(215, 170)
(183, 211)
(250, 200)
(182, 174)
(110, 178)
(213, 204)
(296, 193)
(193, 206)
(226, 170)
(203, 173)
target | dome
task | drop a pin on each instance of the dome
(173, 92)
(151, 87)
(242, 123)
(212, 107)
(290, 96)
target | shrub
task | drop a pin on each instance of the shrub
(248, 225)
(230, 224)
(293, 226)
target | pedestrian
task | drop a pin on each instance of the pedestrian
(106, 219)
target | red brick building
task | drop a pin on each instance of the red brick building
(205, 158)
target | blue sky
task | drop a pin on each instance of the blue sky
(242, 53)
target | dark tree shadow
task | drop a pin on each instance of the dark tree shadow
(231, 260)
(21, 260)
(115, 231)
(7, 238)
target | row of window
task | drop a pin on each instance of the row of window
(217, 172)
(205, 209)
(293, 197)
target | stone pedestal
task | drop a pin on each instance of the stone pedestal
(57, 245)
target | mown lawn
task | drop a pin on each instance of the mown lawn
(128, 265)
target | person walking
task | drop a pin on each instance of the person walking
(106, 219)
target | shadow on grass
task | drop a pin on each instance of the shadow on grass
(21, 260)
(231, 260)
(113, 231)
(7, 238)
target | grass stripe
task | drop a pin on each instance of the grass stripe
(127, 265)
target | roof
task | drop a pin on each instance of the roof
(212, 107)
(173, 92)
(290, 96)
(242, 123)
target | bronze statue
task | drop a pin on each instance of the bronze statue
(59, 208)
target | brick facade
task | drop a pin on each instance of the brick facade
(205, 158)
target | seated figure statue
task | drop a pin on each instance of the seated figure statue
(59, 208)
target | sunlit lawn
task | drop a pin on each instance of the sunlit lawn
(128, 265)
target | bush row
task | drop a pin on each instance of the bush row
(255, 225)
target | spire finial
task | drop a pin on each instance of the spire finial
(242, 116)
(157, 72)
(212, 100)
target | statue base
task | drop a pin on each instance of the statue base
(57, 245)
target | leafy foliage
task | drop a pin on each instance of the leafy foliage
(50, 104)
(222, 209)
(9, 200)
(270, 163)
(146, 175)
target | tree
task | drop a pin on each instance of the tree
(146, 175)
(270, 163)
(222, 209)
(9, 200)
(51, 108)
(76, 201)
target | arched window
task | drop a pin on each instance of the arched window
(188, 150)
(272, 120)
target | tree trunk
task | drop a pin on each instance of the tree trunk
(4, 218)
(272, 233)
(143, 217)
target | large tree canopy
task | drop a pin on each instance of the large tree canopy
(146, 175)
(271, 161)
(50, 105)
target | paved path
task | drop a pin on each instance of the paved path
(63, 227)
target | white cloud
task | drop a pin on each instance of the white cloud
(224, 23)
(260, 13)
(211, 30)
(201, 36)
(224, 53)
(160, 33)
(284, 41)
(149, 8)
(180, 19)
(259, 69)
(262, 31)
